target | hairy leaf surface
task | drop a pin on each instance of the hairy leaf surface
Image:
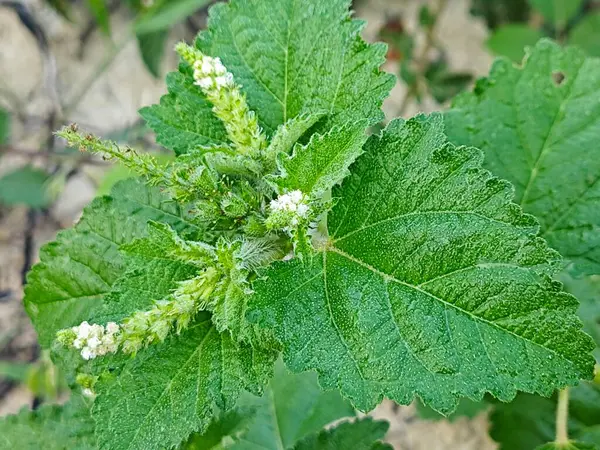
(324, 161)
(170, 390)
(299, 56)
(539, 126)
(184, 119)
(432, 283)
(51, 427)
(292, 407)
(362, 434)
(79, 268)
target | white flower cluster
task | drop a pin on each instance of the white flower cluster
(210, 73)
(96, 340)
(288, 209)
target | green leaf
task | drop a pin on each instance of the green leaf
(4, 126)
(292, 407)
(572, 445)
(557, 12)
(14, 371)
(432, 283)
(465, 408)
(170, 390)
(222, 432)
(289, 133)
(24, 186)
(51, 427)
(99, 10)
(587, 291)
(184, 119)
(586, 34)
(78, 270)
(294, 57)
(152, 49)
(539, 127)
(529, 420)
(512, 39)
(324, 161)
(362, 434)
(166, 15)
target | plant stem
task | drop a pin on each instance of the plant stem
(420, 60)
(562, 417)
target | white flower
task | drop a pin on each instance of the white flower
(83, 330)
(219, 67)
(112, 328)
(204, 83)
(87, 392)
(302, 210)
(87, 353)
(296, 196)
(78, 343)
(93, 342)
(206, 66)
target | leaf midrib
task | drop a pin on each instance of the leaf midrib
(175, 375)
(476, 319)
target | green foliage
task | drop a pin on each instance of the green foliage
(529, 421)
(414, 276)
(465, 408)
(251, 36)
(511, 40)
(586, 34)
(171, 390)
(24, 186)
(571, 445)
(557, 12)
(292, 408)
(445, 271)
(99, 10)
(51, 427)
(362, 434)
(4, 126)
(165, 14)
(538, 126)
(79, 269)
(324, 161)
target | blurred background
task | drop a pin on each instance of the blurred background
(96, 62)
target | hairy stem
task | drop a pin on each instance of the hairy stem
(562, 417)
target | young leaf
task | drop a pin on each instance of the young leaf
(290, 132)
(362, 434)
(51, 427)
(170, 390)
(80, 267)
(299, 57)
(539, 127)
(292, 407)
(432, 283)
(184, 119)
(324, 161)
